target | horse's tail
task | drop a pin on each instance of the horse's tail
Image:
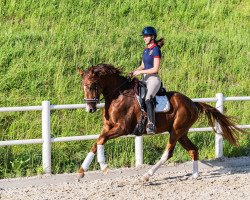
(228, 126)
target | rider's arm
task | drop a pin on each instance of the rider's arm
(153, 70)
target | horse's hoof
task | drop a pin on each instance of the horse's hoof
(105, 169)
(195, 175)
(80, 173)
(144, 178)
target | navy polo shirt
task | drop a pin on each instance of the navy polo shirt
(149, 54)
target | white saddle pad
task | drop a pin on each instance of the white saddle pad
(162, 104)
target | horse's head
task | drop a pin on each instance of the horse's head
(91, 88)
(95, 80)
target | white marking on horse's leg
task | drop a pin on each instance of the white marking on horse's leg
(151, 172)
(101, 158)
(195, 169)
(87, 161)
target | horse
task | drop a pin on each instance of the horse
(122, 112)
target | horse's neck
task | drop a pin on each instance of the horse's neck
(113, 85)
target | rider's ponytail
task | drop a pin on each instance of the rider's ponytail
(160, 42)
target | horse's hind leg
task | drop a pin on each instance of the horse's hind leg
(193, 152)
(168, 153)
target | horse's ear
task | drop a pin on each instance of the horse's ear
(80, 71)
(96, 72)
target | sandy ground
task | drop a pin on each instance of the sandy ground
(219, 179)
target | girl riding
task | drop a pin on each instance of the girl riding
(149, 67)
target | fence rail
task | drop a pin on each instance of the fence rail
(47, 140)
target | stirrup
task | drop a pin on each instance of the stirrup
(150, 128)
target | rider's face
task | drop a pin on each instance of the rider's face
(147, 39)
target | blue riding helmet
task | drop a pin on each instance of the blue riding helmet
(149, 30)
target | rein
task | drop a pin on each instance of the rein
(128, 80)
(95, 100)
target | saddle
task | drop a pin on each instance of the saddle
(161, 102)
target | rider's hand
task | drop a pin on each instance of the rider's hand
(137, 72)
(130, 74)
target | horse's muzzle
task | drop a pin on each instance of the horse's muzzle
(90, 108)
(91, 105)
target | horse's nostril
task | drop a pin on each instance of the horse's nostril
(92, 110)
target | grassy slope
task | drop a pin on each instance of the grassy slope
(42, 43)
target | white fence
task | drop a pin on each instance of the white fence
(46, 137)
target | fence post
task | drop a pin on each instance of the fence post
(138, 151)
(46, 152)
(218, 136)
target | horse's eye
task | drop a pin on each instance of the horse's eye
(92, 87)
(89, 87)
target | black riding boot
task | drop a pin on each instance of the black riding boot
(151, 117)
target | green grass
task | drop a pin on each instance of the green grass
(43, 42)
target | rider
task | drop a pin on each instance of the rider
(149, 67)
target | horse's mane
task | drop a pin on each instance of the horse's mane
(105, 69)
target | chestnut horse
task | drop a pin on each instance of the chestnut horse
(122, 113)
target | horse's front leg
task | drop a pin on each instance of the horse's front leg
(98, 148)
(89, 158)
(87, 161)
(115, 132)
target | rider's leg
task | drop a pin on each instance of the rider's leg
(151, 116)
(153, 83)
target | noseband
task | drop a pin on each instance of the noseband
(95, 100)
